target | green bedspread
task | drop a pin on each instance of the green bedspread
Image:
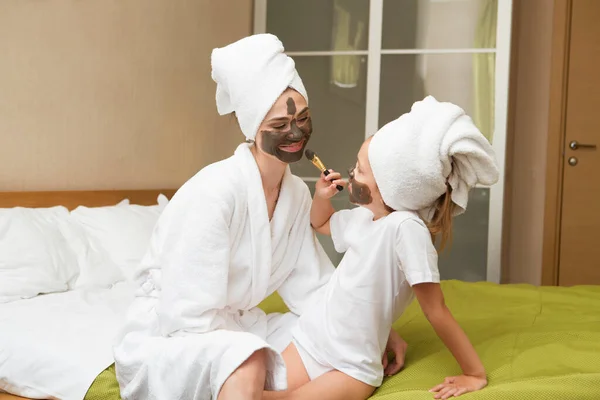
(536, 343)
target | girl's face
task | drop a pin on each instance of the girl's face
(362, 187)
(286, 129)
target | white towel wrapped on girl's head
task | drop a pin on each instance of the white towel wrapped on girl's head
(251, 74)
(413, 157)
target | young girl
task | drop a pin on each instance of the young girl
(410, 179)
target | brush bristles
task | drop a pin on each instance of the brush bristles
(309, 154)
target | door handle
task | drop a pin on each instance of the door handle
(574, 145)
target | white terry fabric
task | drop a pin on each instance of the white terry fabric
(348, 327)
(213, 258)
(34, 255)
(54, 346)
(251, 74)
(414, 156)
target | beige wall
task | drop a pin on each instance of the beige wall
(102, 94)
(528, 165)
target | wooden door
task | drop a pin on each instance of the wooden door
(580, 212)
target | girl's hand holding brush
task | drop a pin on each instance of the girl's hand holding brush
(328, 185)
(328, 177)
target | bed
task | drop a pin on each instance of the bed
(536, 343)
(64, 285)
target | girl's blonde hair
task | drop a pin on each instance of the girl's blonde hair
(441, 223)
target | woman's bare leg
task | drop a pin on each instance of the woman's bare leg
(248, 380)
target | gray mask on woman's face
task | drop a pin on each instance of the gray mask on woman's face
(288, 146)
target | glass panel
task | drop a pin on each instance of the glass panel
(338, 111)
(439, 24)
(319, 25)
(448, 77)
(340, 202)
(466, 256)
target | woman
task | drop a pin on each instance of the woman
(233, 234)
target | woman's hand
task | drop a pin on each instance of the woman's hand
(326, 186)
(397, 346)
(454, 386)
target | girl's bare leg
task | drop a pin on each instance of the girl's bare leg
(296, 373)
(333, 385)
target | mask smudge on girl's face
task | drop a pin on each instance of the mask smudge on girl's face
(359, 192)
(288, 145)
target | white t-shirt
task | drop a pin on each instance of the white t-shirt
(350, 324)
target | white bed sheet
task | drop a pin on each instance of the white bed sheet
(53, 346)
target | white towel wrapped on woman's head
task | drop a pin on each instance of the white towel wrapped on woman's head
(413, 157)
(251, 74)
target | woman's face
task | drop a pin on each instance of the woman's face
(286, 129)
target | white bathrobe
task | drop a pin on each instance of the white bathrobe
(214, 256)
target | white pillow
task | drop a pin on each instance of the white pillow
(34, 255)
(113, 240)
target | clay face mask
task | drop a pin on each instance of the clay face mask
(288, 146)
(359, 192)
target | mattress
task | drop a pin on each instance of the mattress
(536, 343)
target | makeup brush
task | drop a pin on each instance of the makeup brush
(316, 161)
